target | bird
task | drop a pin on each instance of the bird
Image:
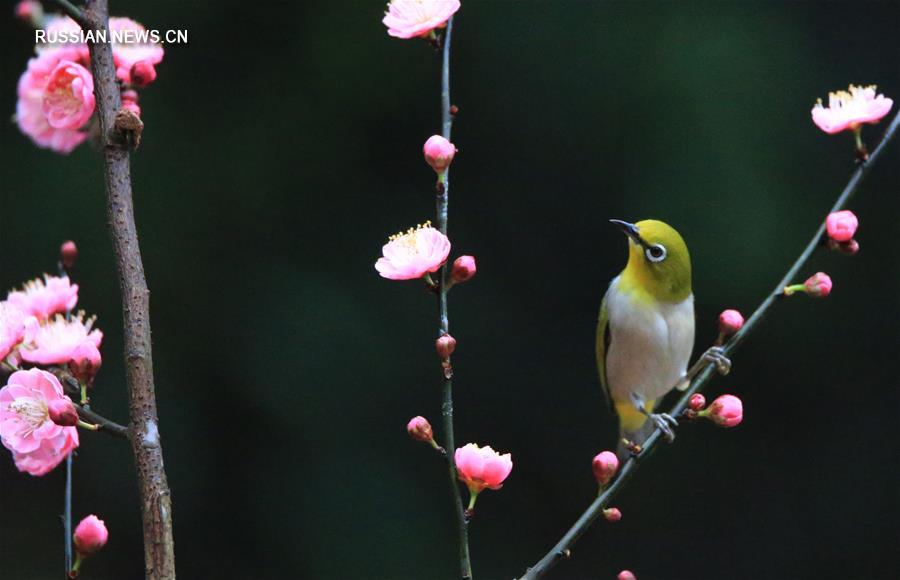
(645, 332)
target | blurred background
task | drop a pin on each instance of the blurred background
(283, 145)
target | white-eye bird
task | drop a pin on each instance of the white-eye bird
(645, 332)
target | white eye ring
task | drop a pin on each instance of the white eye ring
(656, 253)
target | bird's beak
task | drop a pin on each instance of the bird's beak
(631, 230)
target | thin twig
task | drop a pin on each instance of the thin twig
(74, 12)
(563, 547)
(442, 202)
(71, 386)
(67, 515)
(155, 500)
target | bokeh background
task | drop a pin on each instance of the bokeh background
(283, 145)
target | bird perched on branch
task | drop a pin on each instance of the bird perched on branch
(645, 332)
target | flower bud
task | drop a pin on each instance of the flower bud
(849, 248)
(30, 12)
(130, 102)
(420, 429)
(439, 153)
(730, 321)
(697, 402)
(142, 73)
(612, 514)
(68, 254)
(463, 269)
(85, 362)
(841, 225)
(605, 465)
(445, 345)
(90, 535)
(626, 575)
(725, 411)
(817, 286)
(63, 412)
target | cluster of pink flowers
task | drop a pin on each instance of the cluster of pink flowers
(56, 92)
(37, 329)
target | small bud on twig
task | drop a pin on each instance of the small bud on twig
(848, 248)
(725, 411)
(445, 345)
(30, 12)
(841, 225)
(420, 430)
(605, 465)
(626, 575)
(612, 514)
(68, 254)
(63, 412)
(439, 153)
(697, 402)
(730, 321)
(463, 269)
(818, 286)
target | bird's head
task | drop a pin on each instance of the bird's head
(658, 260)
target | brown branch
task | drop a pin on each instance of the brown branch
(156, 504)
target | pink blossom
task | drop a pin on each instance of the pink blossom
(612, 514)
(605, 465)
(142, 73)
(30, 105)
(841, 225)
(697, 402)
(69, 96)
(420, 429)
(68, 253)
(44, 298)
(139, 49)
(85, 362)
(725, 411)
(90, 535)
(849, 109)
(626, 575)
(26, 428)
(59, 33)
(730, 321)
(63, 412)
(445, 345)
(409, 18)
(463, 269)
(12, 327)
(439, 153)
(818, 285)
(56, 341)
(30, 12)
(413, 254)
(481, 467)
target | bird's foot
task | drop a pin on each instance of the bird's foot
(716, 354)
(664, 422)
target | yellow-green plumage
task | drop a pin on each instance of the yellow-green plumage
(645, 331)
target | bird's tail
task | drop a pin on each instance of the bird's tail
(634, 427)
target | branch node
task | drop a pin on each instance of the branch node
(127, 130)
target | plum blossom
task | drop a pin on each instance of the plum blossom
(481, 467)
(128, 54)
(12, 327)
(605, 465)
(38, 444)
(725, 411)
(851, 108)
(841, 225)
(44, 298)
(57, 340)
(413, 254)
(411, 18)
(69, 96)
(730, 321)
(90, 535)
(439, 153)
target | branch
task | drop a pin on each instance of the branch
(442, 202)
(106, 426)
(156, 503)
(563, 548)
(72, 11)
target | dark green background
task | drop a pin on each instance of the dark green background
(283, 144)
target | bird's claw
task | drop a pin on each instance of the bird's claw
(664, 422)
(716, 354)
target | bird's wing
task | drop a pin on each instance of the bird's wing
(603, 340)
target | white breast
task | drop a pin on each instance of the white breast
(650, 344)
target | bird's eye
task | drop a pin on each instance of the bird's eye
(656, 253)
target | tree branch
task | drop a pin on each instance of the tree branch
(156, 505)
(563, 547)
(72, 11)
(442, 203)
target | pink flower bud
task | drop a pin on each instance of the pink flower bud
(463, 269)
(439, 153)
(445, 345)
(841, 225)
(30, 12)
(63, 412)
(697, 402)
(130, 102)
(849, 248)
(90, 535)
(626, 575)
(68, 253)
(420, 429)
(85, 362)
(605, 465)
(612, 514)
(143, 73)
(730, 321)
(818, 285)
(725, 411)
